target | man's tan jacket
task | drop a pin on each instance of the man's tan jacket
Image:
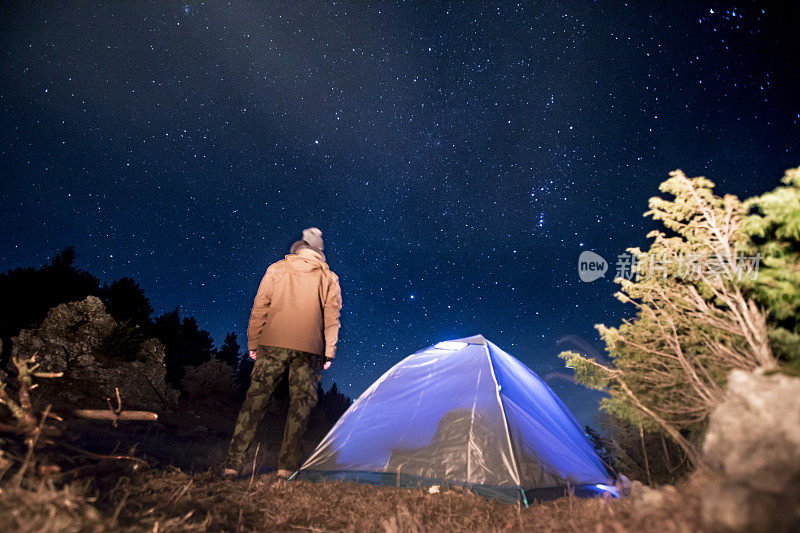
(297, 306)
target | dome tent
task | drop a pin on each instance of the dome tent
(462, 413)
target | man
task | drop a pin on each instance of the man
(294, 328)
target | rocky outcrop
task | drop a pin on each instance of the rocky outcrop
(646, 500)
(74, 339)
(753, 448)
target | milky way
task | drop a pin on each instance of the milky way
(457, 158)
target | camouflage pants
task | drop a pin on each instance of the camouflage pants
(270, 366)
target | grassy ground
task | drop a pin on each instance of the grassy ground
(179, 490)
(171, 500)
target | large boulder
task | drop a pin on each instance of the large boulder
(753, 448)
(646, 500)
(74, 339)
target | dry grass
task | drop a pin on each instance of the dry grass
(160, 500)
(94, 493)
(47, 508)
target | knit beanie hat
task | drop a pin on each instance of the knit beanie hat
(312, 239)
(313, 236)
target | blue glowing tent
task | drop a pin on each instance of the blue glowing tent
(462, 414)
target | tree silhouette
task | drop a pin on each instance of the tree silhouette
(243, 374)
(29, 293)
(185, 344)
(65, 258)
(125, 301)
(602, 446)
(197, 346)
(167, 329)
(230, 352)
(333, 403)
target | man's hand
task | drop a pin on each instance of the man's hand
(253, 355)
(327, 364)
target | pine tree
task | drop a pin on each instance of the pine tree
(243, 375)
(125, 301)
(694, 320)
(197, 346)
(774, 229)
(167, 329)
(185, 344)
(230, 352)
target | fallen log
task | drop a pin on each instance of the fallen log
(106, 414)
(115, 413)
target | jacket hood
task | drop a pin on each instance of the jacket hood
(305, 263)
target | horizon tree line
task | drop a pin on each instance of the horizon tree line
(29, 293)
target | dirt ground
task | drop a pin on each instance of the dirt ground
(174, 485)
(171, 500)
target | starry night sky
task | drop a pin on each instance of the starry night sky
(458, 158)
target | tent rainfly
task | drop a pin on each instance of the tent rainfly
(462, 414)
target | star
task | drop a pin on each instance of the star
(182, 149)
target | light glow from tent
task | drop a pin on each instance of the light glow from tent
(451, 345)
(608, 488)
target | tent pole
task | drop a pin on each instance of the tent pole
(503, 412)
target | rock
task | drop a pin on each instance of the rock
(737, 508)
(623, 485)
(71, 339)
(753, 449)
(646, 500)
(212, 378)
